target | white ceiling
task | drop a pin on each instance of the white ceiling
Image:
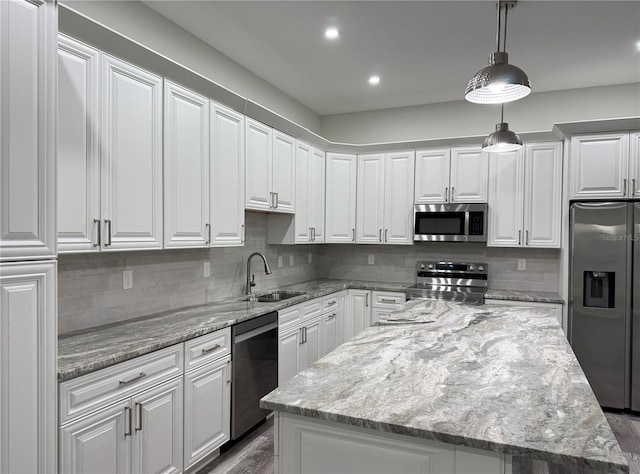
(424, 51)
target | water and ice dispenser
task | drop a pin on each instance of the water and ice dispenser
(599, 289)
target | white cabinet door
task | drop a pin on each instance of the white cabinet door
(370, 199)
(302, 224)
(316, 183)
(157, 430)
(469, 174)
(289, 362)
(258, 149)
(132, 156)
(28, 341)
(634, 164)
(312, 342)
(330, 332)
(78, 154)
(98, 443)
(28, 59)
(599, 165)
(207, 410)
(359, 311)
(543, 194)
(432, 176)
(340, 211)
(342, 318)
(186, 168)
(227, 177)
(506, 193)
(284, 172)
(398, 198)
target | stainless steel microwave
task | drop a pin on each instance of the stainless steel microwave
(450, 222)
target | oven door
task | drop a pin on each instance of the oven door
(449, 223)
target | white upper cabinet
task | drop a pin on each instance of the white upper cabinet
(310, 173)
(384, 198)
(227, 177)
(270, 171)
(27, 129)
(131, 156)
(469, 174)
(316, 195)
(78, 140)
(432, 176)
(525, 190)
(340, 210)
(634, 164)
(186, 168)
(456, 174)
(600, 166)
(370, 199)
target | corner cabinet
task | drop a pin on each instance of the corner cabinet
(340, 210)
(605, 166)
(27, 129)
(270, 171)
(525, 191)
(457, 174)
(384, 198)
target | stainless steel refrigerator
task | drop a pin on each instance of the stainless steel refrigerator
(604, 311)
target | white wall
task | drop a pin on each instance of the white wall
(536, 113)
(142, 24)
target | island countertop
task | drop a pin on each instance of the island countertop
(491, 377)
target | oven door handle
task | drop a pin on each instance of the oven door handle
(255, 332)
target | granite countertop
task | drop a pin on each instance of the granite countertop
(528, 296)
(500, 378)
(86, 351)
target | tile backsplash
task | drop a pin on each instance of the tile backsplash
(90, 285)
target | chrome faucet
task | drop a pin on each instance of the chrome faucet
(251, 278)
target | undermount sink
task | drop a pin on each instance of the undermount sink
(273, 296)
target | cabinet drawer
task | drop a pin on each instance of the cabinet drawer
(84, 394)
(385, 299)
(288, 318)
(330, 303)
(207, 348)
(310, 309)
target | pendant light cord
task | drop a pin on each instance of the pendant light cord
(499, 8)
(504, 37)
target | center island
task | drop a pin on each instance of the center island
(444, 387)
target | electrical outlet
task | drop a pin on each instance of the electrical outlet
(522, 264)
(371, 260)
(279, 261)
(291, 260)
(127, 279)
(207, 269)
(310, 258)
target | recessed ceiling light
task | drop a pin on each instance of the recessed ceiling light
(332, 33)
(374, 80)
(638, 45)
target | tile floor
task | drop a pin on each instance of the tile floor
(254, 453)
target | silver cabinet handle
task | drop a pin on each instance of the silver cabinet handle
(380, 235)
(207, 230)
(211, 349)
(453, 194)
(107, 223)
(519, 237)
(331, 303)
(137, 377)
(242, 236)
(301, 336)
(229, 372)
(332, 315)
(305, 334)
(313, 230)
(270, 200)
(624, 186)
(277, 200)
(97, 243)
(127, 421)
(366, 301)
(353, 235)
(526, 237)
(633, 187)
(385, 300)
(138, 416)
(446, 194)
(386, 232)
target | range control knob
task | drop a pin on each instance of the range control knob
(422, 266)
(480, 268)
(431, 266)
(472, 268)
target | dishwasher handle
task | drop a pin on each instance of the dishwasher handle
(255, 332)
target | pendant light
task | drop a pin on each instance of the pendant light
(503, 139)
(500, 81)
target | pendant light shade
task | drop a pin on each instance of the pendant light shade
(500, 81)
(502, 140)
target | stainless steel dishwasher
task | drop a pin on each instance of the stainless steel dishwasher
(254, 370)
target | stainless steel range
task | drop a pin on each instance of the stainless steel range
(464, 282)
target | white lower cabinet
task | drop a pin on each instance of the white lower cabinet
(334, 320)
(311, 445)
(142, 433)
(207, 410)
(385, 303)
